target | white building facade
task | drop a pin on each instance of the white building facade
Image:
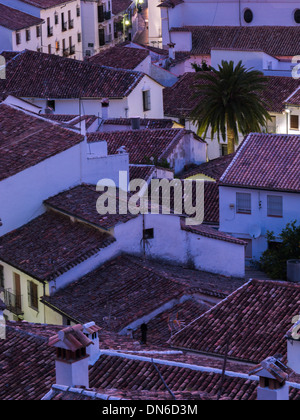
(227, 13)
(61, 32)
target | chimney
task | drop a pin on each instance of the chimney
(273, 375)
(72, 360)
(135, 123)
(91, 330)
(171, 50)
(293, 346)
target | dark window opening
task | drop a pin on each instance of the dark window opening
(248, 16)
(294, 122)
(273, 246)
(147, 100)
(51, 104)
(148, 234)
(1, 277)
(297, 16)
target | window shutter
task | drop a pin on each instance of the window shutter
(275, 206)
(243, 203)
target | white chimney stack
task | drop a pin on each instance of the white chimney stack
(293, 346)
(72, 360)
(91, 330)
(171, 50)
(273, 375)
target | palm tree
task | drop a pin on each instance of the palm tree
(230, 102)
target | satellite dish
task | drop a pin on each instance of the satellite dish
(255, 231)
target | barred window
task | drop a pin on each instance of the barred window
(275, 206)
(243, 203)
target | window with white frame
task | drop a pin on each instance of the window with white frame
(275, 206)
(243, 203)
(147, 100)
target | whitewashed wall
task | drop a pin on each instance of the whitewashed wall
(240, 225)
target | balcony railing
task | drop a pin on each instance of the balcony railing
(13, 302)
(71, 24)
(108, 39)
(64, 27)
(66, 52)
(72, 50)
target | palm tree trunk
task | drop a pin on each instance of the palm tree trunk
(230, 139)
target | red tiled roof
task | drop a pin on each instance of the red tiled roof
(170, 3)
(58, 245)
(255, 318)
(37, 75)
(211, 203)
(273, 40)
(115, 294)
(214, 169)
(71, 120)
(267, 161)
(161, 328)
(119, 6)
(26, 140)
(120, 57)
(294, 99)
(147, 123)
(141, 144)
(80, 202)
(180, 100)
(212, 233)
(46, 4)
(16, 20)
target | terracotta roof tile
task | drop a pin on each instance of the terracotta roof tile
(26, 140)
(58, 245)
(116, 294)
(141, 144)
(16, 20)
(273, 40)
(247, 317)
(146, 123)
(214, 168)
(119, 6)
(180, 100)
(45, 4)
(267, 161)
(120, 57)
(80, 202)
(38, 75)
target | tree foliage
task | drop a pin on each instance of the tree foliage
(230, 102)
(274, 260)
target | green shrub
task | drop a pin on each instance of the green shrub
(273, 261)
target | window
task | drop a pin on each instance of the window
(57, 46)
(38, 32)
(248, 16)
(148, 234)
(79, 37)
(294, 122)
(297, 16)
(56, 19)
(49, 49)
(248, 250)
(275, 206)
(78, 11)
(50, 104)
(1, 277)
(224, 150)
(33, 301)
(147, 100)
(28, 35)
(18, 38)
(243, 203)
(271, 125)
